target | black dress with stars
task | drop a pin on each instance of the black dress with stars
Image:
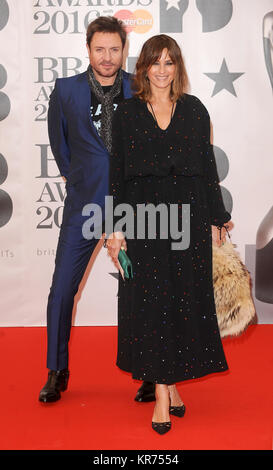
(167, 324)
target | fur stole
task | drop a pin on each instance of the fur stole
(232, 291)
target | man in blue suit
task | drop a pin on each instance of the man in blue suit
(79, 125)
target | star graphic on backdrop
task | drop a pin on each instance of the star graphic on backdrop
(224, 79)
(172, 4)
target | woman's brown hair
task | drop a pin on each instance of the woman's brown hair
(151, 51)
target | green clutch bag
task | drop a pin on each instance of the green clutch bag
(125, 263)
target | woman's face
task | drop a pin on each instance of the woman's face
(162, 72)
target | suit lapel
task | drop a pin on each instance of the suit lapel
(83, 94)
(126, 83)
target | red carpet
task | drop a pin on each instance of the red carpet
(229, 411)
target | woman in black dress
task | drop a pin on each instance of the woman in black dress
(167, 324)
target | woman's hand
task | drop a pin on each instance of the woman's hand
(114, 242)
(216, 233)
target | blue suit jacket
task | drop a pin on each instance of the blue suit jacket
(79, 151)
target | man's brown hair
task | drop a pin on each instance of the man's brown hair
(106, 24)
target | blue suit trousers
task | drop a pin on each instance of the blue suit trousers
(72, 257)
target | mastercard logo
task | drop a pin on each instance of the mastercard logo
(139, 21)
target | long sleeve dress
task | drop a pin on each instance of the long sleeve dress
(167, 324)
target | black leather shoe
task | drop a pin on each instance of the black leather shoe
(161, 428)
(146, 392)
(56, 383)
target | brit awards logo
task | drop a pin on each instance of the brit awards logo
(268, 44)
(215, 14)
(4, 13)
(6, 206)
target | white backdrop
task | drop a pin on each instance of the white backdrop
(223, 43)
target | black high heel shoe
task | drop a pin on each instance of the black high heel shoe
(177, 411)
(146, 392)
(161, 428)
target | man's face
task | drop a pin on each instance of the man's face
(105, 56)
